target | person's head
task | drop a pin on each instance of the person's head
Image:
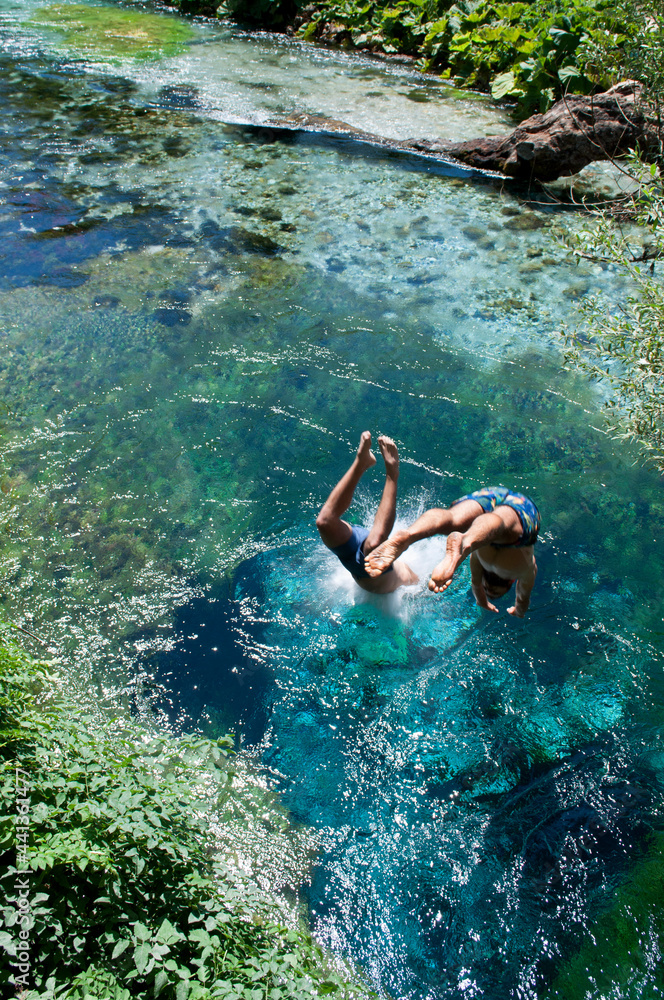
(495, 586)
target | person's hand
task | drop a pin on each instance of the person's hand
(481, 599)
(516, 612)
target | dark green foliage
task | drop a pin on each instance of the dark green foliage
(127, 898)
(260, 13)
(520, 50)
(206, 8)
(640, 57)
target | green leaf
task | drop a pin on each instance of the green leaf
(120, 947)
(161, 980)
(167, 932)
(569, 72)
(141, 957)
(503, 85)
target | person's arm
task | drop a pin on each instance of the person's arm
(477, 585)
(523, 590)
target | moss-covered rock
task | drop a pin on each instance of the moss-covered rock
(621, 957)
(112, 33)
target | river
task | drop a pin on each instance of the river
(198, 319)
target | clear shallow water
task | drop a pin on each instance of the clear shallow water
(198, 322)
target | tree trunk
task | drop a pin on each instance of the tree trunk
(574, 132)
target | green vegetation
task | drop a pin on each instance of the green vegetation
(531, 52)
(104, 32)
(129, 896)
(624, 347)
(262, 13)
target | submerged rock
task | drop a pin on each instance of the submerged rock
(270, 214)
(237, 239)
(525, 221)
(106, 301)
(474, 232)
(242, 240)
(169, 316)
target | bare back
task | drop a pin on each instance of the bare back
(512, 563)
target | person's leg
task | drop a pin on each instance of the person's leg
(387, 509)
(331, 528)
(438, 521)
(503, 528)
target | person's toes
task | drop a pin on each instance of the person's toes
(364, 452)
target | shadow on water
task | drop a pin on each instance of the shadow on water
(216, 675)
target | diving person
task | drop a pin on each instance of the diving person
(494, 526)
(351, 543)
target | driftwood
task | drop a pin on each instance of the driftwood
(574, 132)
(323, 127)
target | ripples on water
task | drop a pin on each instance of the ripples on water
(198, 321)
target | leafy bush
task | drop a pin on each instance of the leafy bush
(527, 51)
(127, 897)
(640, 56)
(260, 13)
(530, 52)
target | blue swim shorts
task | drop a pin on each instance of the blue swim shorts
(491, 497)
(350, 554)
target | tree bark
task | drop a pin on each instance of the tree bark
(573, 133)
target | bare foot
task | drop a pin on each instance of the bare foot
(388, 450)
(384, 555)
(441, 576)
(365, 456)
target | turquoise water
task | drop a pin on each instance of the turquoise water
(198, 320)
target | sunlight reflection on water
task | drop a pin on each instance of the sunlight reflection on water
(197, 324)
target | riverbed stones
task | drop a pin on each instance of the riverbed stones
(525, 221)
(270, 214)
(474, 233)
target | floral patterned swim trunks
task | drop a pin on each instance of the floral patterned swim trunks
(491, 497)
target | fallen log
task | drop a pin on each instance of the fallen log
(573, 133)
(331, 128)
(576, 131)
